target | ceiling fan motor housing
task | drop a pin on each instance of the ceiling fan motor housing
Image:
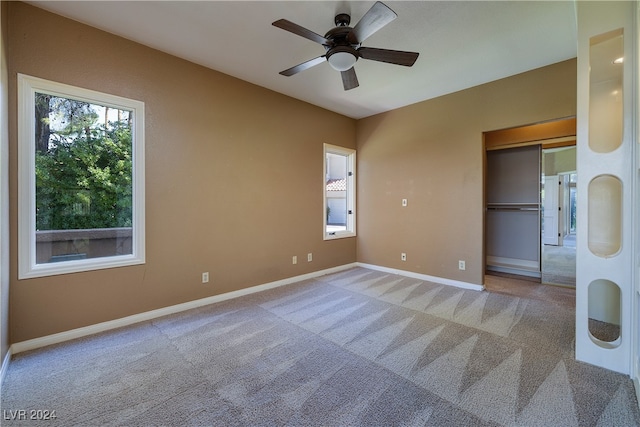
(339, 38)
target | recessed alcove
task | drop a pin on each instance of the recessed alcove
(605, 216)
(605, 91)
(604, 313)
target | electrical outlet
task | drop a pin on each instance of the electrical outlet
(294, 260)
(404, 202)
(309, 257)
(403, 256)
(461, 265)
(205, 277)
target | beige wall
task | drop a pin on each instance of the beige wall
(431, 153)
(233, 172)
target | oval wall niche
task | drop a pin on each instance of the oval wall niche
(605, 92)
(605, 216)
(604, 313)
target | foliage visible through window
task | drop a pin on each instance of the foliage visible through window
(83, 165)
(81, 183)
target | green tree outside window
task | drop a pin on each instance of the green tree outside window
(83, 165)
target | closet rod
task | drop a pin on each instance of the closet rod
(505, 208)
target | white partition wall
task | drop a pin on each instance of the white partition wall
(606, 294)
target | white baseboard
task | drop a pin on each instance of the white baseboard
(523, 264)
(515, 271)
(522, 267)
(4, 368)
(35, 343)
(425, 277)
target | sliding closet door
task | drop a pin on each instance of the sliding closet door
(513, 210)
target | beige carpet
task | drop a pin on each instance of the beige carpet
(358, 347)
(530, 288)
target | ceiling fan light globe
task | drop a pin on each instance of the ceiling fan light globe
(342, 61)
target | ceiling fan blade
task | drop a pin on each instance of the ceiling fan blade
(397, 57)
(301, 31)
(349, 79)
(377, 17)
(301, 67)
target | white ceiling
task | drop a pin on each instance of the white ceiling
(461, 44)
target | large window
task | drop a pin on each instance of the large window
(339, 192)
(81, 179)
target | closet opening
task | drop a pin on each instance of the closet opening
(529, 195)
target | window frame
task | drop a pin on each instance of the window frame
(27, 266)
(350, 154)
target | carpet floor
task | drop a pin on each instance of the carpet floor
(358, 347)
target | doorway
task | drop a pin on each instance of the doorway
(546, 254)
(558, 188)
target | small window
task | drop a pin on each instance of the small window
(81, 179)
(339, 192)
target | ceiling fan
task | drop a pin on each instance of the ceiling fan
(343, 44)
